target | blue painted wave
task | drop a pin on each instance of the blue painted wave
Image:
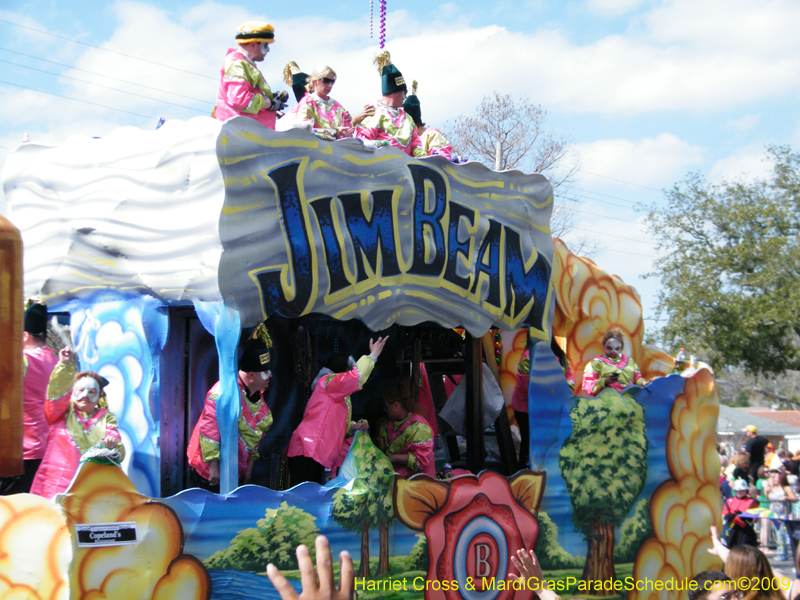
(237, 585)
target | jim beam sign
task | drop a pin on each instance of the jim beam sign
(310, 226)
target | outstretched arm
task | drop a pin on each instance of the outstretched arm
(718, 548)
(375, 348)
(325, 589)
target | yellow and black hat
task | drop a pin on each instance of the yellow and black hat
(255, 31)
(255, 354)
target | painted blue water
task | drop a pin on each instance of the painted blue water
(236, 585)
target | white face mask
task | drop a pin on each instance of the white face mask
(86, 388)
(265, 375)
(264, 48)
(613, 346)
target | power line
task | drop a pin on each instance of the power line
(200, 110)
(620, 180)
(627, 206)
(61, 37)
(608, 234)
(77, 100)
(586, 212)
(604, 195)
(104, 76)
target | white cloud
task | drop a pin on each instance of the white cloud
(647, 162)
(742, 124)
(745, 164)
(764, 30)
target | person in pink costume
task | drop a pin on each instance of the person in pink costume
(405, 436)
(321, 114)
(324, 436)
(243, 89)
(612, 369)
(255, 417)
(425, 400)
(386, 123)
(39, 363)
(433, 140)
(77, 411)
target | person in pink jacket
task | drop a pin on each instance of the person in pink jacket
(242, 88)
(255, 417)
(386, 123)
(612, 369)
(404, 435)
(40, 361)
(325, 434)
(80, 425)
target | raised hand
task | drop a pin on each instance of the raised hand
(376, 348)
(325, 589)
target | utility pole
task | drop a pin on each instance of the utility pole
(498, 155)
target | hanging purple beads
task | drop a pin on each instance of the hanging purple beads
(383, 23)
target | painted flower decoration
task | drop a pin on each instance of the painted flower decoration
(473, 525)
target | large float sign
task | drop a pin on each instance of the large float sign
(310, 226)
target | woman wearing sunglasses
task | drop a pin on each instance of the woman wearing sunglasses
(318, 111)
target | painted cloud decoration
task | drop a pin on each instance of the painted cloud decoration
(133, 211)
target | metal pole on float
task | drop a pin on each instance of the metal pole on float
(498, 155)
(474, 406)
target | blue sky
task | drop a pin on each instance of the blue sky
(646, 91)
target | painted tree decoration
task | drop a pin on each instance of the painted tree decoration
(274, 540)
(366, 501)
(607, 430)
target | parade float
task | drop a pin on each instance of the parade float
(160, 247)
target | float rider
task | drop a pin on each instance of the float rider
(255, 418)
(387, 123)
(242, 88)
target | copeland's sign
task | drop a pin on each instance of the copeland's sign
(310, 226)
(106, 534)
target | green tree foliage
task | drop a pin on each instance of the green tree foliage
(417, 559)
(549, 551)
(604, 464)
(274, 540)
(634, 531)
(366, 501)
(730, 254)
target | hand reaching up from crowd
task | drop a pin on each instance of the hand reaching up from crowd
(717, 546)
(531, 572)
(323, 588)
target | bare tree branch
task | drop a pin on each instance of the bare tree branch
(527, 146)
